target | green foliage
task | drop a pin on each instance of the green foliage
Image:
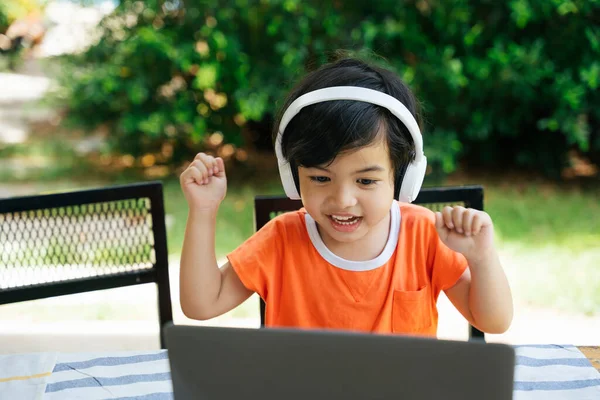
(3, 18)
(510, 83)
(5, 60)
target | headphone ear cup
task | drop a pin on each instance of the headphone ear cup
(289, 179)
(412, 181)
(295, 175)
(399, 177)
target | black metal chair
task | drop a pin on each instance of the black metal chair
(80, 241)
(268, 207)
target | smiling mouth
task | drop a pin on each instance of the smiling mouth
(346, 220)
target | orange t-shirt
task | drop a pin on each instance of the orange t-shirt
(304, 285)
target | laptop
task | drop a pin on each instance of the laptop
(269, 364)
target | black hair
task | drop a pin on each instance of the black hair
(321, 131)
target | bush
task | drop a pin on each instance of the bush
(3, 18)
(502, 83)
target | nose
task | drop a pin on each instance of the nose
(344, 197)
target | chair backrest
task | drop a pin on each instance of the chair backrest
(436, 198)
(80, 241)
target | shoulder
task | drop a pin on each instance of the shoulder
(275, 235)
(417, 222)
(416, 214)
(287, 223)
(289, 218)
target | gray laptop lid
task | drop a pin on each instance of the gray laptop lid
(268, 364)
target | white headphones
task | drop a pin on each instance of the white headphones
(415, 172)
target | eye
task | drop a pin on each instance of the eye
(319, 179)
(367, 182)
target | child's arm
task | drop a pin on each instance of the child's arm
(205, 290)
(482, 294)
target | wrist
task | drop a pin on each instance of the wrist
(204, 214)
(478, 258)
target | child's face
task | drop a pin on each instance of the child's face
(350, 198)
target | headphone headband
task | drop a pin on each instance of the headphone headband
(356, 93)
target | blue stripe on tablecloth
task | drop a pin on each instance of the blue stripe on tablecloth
(541, 362)
(110, 361)
(558, 385)
(151, 396)
(99, 382)
(545, 346)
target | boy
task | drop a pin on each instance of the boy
(358, 256)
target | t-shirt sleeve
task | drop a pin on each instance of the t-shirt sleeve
(255, 261)
(447, 265)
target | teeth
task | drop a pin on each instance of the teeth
(347, 223)
(345, 220)
(341, 218)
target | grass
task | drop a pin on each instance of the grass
(540, 216)
(550, 242)
(50, 160)
(235, 221)
(555, 277)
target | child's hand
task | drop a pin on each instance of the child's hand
(466, 231)
(204, 183)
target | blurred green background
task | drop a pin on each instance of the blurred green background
(509, 92)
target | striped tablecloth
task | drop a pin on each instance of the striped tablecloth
(548, 372)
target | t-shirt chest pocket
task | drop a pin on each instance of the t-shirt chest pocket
(411, 310)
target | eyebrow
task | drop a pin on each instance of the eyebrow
(370, 168)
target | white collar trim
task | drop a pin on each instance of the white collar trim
(368, 265)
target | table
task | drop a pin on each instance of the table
(543, 372)
(592, 354)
